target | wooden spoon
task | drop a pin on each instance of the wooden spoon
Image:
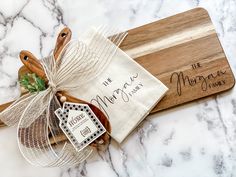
(33, 64)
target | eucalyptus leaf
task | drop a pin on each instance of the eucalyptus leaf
(32, 83)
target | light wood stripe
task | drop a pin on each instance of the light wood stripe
(183, 36)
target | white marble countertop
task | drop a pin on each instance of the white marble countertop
(193, 140)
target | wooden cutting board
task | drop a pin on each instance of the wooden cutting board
(184, 52)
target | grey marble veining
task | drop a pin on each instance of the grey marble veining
(196, 139)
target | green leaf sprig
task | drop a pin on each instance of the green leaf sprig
(32, 83)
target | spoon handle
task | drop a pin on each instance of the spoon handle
(33, 64)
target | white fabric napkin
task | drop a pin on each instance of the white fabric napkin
(125, 92)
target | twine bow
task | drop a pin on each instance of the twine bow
(79, 62)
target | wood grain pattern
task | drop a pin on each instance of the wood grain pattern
(184, 52)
